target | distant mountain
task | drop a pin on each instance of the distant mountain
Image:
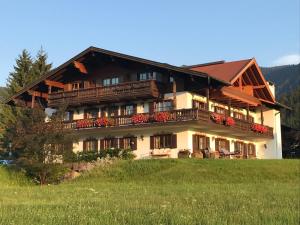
(286, 78)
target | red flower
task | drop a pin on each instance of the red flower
(229, 121)
(259, 128)
(217, 118)
(161, 116)
(103, 122)
(139, 118)
(85, 123)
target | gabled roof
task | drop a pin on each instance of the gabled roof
(225, 71)
(113, 54)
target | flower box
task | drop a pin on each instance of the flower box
(161, 116)
(139, 118)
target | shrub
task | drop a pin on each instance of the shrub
(87, 156)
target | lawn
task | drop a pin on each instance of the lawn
(160, 192)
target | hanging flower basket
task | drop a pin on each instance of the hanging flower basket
(229, 121)
(217, 118)
(85, 123)
(161, 116)
(259, 128)
(103, 122)
(139, 118)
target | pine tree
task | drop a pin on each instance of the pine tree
(40, 65)
(21, 76)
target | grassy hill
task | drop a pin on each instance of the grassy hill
(162, 192)
(286, 78)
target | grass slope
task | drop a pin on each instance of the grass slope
(163, 192)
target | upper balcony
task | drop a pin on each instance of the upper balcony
(114, 93)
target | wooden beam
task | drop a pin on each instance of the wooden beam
(174, 92)
(54, 84)
(80, 66)
(38, 94)
(261, 115)
(259, 86)
(32, 101)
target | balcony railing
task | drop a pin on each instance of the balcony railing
(182, 115)
(123, 91)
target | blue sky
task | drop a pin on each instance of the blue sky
(175, 32)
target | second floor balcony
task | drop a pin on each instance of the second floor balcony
(114, 93)
(192, 118)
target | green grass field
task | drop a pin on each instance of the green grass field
(160, 192)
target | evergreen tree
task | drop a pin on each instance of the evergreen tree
(21, 76)
(40, 65)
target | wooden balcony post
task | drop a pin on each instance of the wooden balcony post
(174, 92)
(261, 115)
(247, 112)
(32, 101)
(229, 108)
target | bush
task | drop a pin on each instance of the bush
(87, 156)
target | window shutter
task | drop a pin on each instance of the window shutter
(134, 108)
(121, 143)
(235, 147)
(207, 142)
(102, 144)
(85, 114)
(194, 103)
(96, 145)
(116, 111)
(115, 143)
(71, 116)
(216, 144)
(151, 107)
(123, 108)
(103, 112)
(84, 146)
(245, 149)
(151, 142)
(134, 143)
(195, 143)
(174, 141)
(227, 145)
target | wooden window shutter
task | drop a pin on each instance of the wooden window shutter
(123, 108)
(151, 107)
(227, 145)
(151, 142)
(174, 141)
(96, 145)
(235, 147)
(84, 146)
(85, 114)
(207, 142)
(134, 143)
(102, 144)
(134, 108)
(116, 110)
(245, 149)
(216, 144)
(115, 142)
(103, 112)
(195, 142)
(121, 143)
(193, 103)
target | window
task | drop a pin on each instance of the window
(150, 76)
(90, 113)
(164, 106)
(239, 116)
(163, 141)
(199, 105)
(113, 111)
(77, 86)
(222, 144)
(219, 110)
(69, 116)
(200, 142)
(114, 80)
(251, 119)
(128, 110)
(128, 143)
(106, 82)
(239, 147)
(251, 150)
(171, 80)
(90, 145)
(107, 143)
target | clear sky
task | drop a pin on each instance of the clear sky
(175, 32)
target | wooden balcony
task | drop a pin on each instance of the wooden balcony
(124, 91)
(192, 118)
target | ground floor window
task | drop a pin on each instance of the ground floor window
(240, 147)
(163, 141)
(200, 142)
(90, 145)
(107, 143)
(251, 150)
(222, 144)
(128, 143)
